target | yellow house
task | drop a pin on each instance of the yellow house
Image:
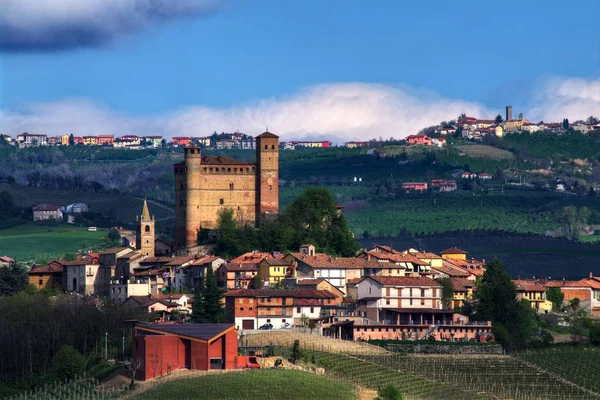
(275, 270)
(47, 277)
(535, 294)
(90, 140)
(64, 139)
(462, 289)
(454, 253)
(499, 131)
(432, 259)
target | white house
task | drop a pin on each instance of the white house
(400, 292)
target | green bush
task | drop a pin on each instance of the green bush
(68, 363)
(389, 392)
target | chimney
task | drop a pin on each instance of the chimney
(591, 275)
(368, 257)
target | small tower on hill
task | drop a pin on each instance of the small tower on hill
(144, 238)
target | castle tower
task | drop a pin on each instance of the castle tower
(267, 174)
(190, 198)
(145, 232)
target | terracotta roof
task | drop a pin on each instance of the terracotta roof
(254, 257)
(453, 250)
(452, 271)
(170, 296)
(147, 272)
(233, 267)
(46, 207)
(267, 134)
(426, 255)
(6, 259)
(404, 281)
(353, 281)
(294, 293)
(180, 260)
(387, 249)
(158, 260)
(114, 250)
(71, 263)
(528, 286)
(326, 261)
(146, 301)
(582, 283)
(52, 268)
(306, 302)
(310, 282)
(461, 284)
(397, 258)
(277, 261)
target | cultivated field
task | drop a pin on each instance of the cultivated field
(262, 384)
(31, 241)
(484, 151)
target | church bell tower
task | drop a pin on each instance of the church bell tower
(144, 239)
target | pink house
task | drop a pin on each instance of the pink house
(419, 139)
(414, 186)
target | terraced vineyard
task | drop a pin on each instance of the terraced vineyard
(488, 375)
(578, 365)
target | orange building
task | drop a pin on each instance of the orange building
(204, 185)
(47, 277)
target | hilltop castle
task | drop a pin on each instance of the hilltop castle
(206, 184)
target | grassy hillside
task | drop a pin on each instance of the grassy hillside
(259, 385)
(31, 241)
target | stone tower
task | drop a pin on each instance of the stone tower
(267, 175)
(144, 239)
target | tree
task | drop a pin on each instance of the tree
(296, 353)
(498, 119)
(135, 364)
(495, 300)
(565, 123)
(556, 296)
(257, 282)
(591, 120)
(447, 292)
(163, 143)
(68, 363)
(595, 334)
(389, 392)
(71, 140)
(13, 279)
(207, 306)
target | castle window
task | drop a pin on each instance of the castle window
(204, 169)
(235, 170)
(247, 169)
(228, 169)
(270, 187)
(273, 147)
(231, 186)
(266, 146)
(147, 228)
(211, 170)
(221, 201)
(217, 169)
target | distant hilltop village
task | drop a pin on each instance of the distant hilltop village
(206, 184)
(464, 126)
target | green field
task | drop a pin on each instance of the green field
(261, 384)
(31, 241)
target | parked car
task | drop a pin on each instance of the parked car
(287, 325)
(266, 326)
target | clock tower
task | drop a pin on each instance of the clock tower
(267, 177)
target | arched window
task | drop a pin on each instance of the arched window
(180, 185)
(231, 186)
(266, 146)
(147, 229)
(272, 147)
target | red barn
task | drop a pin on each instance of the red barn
(166, 348)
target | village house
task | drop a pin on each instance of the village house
(163, 349)
(352, 145)
(90, 140)
(163, 247)
(535, 293)
(450, 271)
(379, 293)
(454, 253)
(43, 212)
(81, 276)
(105, 140)
(462, 290)
(76, 208)
(419, 139)
(153, 141)
(474, 267)
(6, 261)
(586, 290)
(251, 308)
(430, 258)
(320, 284)
(484, 176)
(181, 141)
(414, 186)
(395, 263)
(237, 275)
(193, 275)
(108, 260)
(151, 305)
(274, 270)
(27, 140)
(255, 257)
(48, 276)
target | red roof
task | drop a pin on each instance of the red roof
(306, 302)
(45, 207)
(453, 250)
(310, 282)
(528, 286)
(233, 267)
(254, 257)
(404, 281)
(294, 293)
(326, 261)
(52, 268)
(461, 284)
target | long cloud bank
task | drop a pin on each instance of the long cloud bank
(337, 112)
(50, 25)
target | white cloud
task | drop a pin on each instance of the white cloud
(572, 98)
(27, 25)
(338, 112)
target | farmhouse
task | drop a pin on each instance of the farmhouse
(252, 308)
(162, 349)
(43, 212)
(47, 277)
(419, 139)
(535, 293)
(587, 290)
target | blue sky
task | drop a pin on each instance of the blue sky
(240, 54)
